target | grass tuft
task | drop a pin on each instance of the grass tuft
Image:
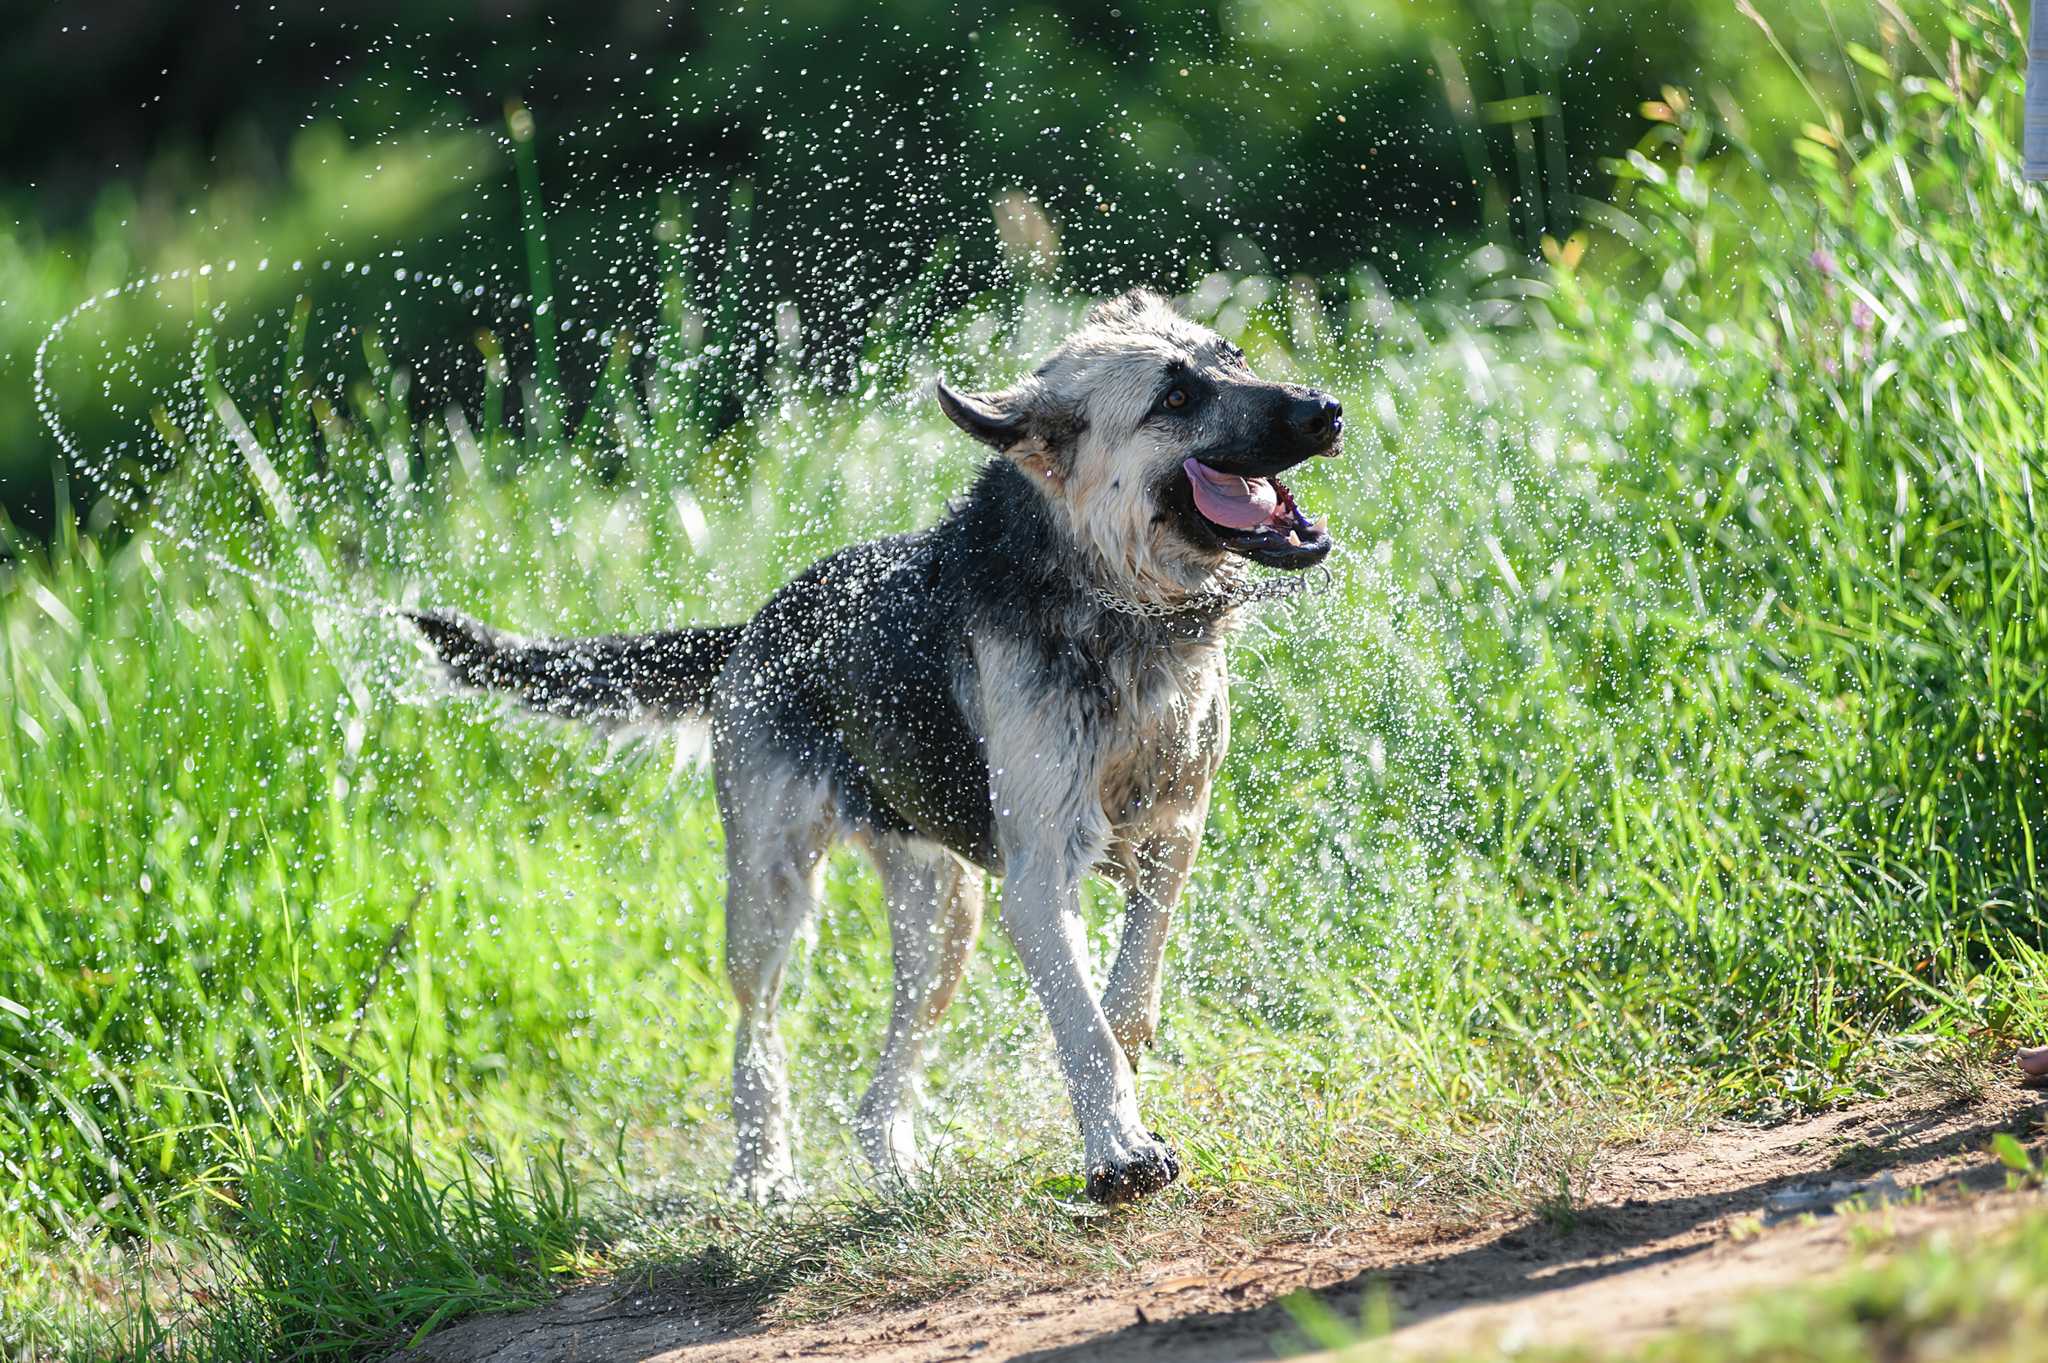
(339, 1244)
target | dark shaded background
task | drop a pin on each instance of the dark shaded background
(1301, 139)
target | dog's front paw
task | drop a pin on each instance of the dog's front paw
(1140, 1173)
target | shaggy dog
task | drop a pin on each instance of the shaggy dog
(1033, 687)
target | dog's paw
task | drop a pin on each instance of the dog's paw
(1139, 1174)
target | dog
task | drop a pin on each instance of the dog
(1034, 687)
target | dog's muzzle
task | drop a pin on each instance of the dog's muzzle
(1247, 508)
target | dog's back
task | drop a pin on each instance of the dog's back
(857, 673)
(863, 667)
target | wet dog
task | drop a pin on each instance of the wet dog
(1034, 687)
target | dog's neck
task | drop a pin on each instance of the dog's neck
(1125, 564)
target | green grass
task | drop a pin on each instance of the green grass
(1670, 737)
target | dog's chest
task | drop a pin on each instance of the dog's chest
(1163, 732)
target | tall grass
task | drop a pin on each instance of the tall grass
(1672, 729)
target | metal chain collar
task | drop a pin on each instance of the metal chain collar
(1317, 582)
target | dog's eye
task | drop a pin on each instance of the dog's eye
(1177, 398)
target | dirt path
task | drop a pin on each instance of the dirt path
(1674, 1234)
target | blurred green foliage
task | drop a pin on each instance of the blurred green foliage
(1160, 140)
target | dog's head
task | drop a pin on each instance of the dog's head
(1158, 446)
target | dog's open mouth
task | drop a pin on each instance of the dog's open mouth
(1257, 517)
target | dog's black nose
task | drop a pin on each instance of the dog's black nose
(1318, 415)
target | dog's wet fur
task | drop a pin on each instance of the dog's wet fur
(962, 699)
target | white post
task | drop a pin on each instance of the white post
(2036, 136)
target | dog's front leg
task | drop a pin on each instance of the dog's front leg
(1044, 760)
(1041, 913)
(1165, 846)
(1131, 1002)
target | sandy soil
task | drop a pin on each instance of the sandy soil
(1675, 1234)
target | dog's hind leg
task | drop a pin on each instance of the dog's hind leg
(935, 902)
(779, 822)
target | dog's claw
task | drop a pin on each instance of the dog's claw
(1147, 1173)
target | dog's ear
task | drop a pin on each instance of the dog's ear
(1021, 423)
(998, 419)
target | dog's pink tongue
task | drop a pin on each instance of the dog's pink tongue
(1230, 500)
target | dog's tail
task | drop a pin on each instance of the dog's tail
(613, 679)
